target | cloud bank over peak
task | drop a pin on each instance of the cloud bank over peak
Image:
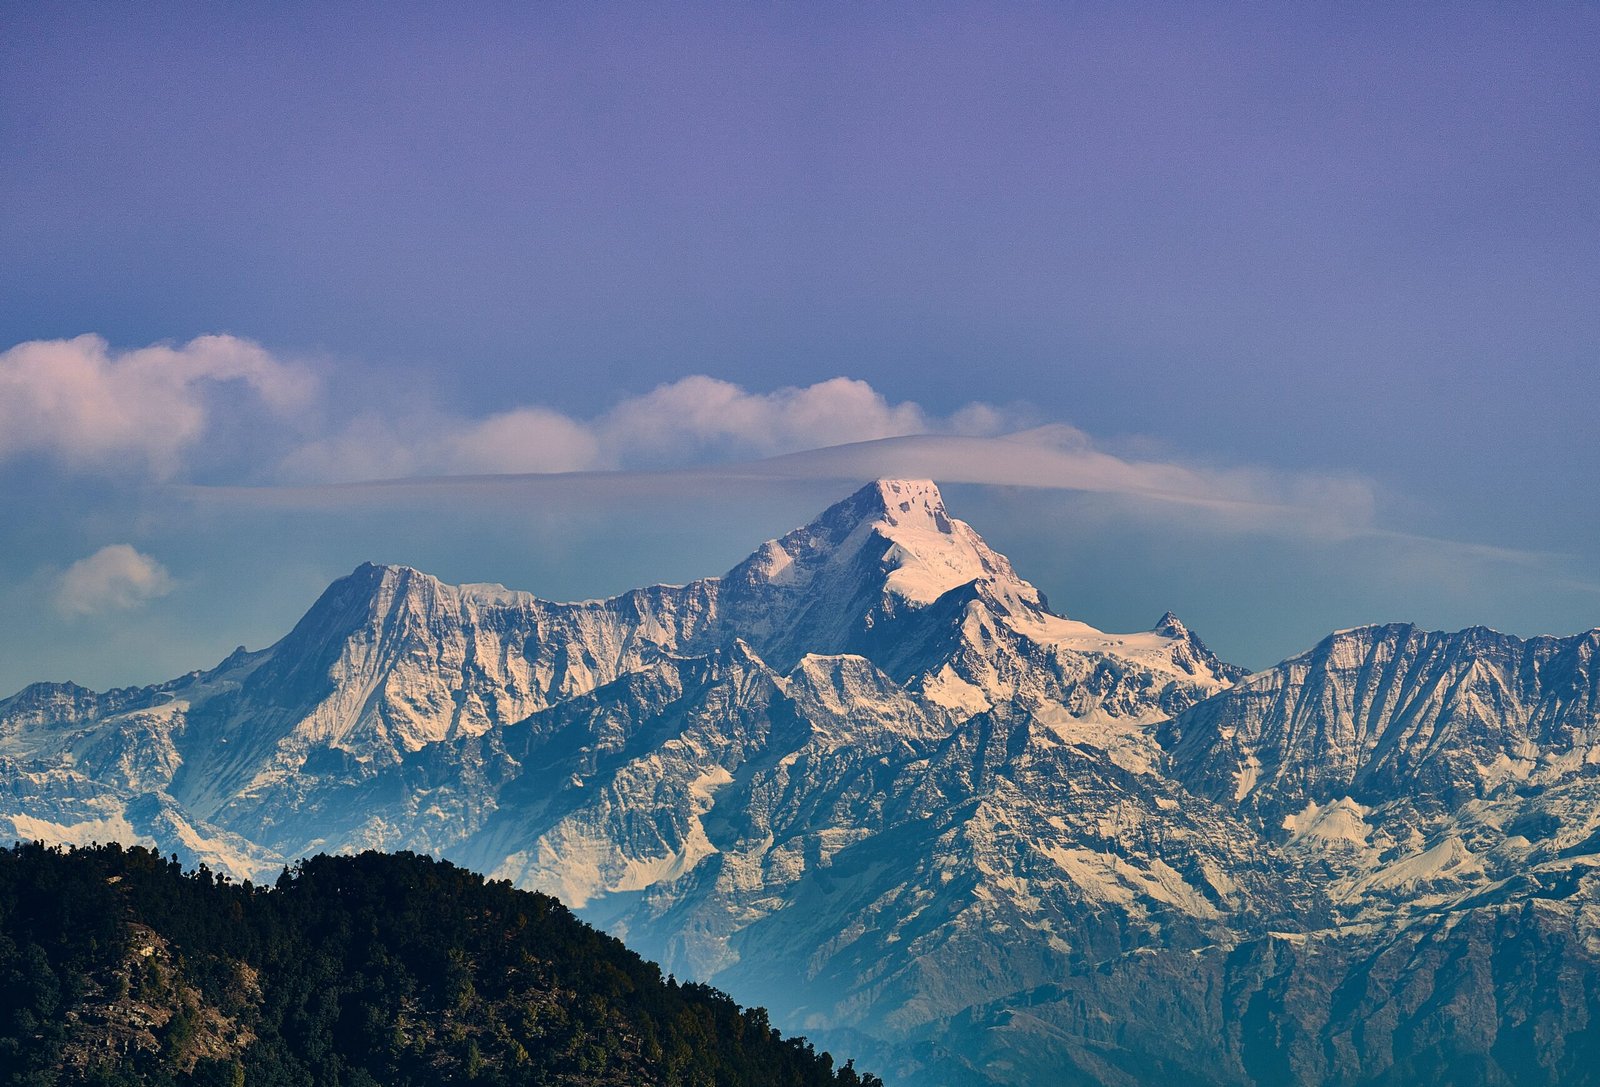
(225, 411)
(184, 413)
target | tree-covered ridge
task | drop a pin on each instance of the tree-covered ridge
(116, 967)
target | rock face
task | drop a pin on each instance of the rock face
(869, 779)
(1381, 712)
(1414, 768)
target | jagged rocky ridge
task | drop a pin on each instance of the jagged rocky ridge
(869, 779)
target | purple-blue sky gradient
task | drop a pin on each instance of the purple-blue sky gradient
(1333, 241)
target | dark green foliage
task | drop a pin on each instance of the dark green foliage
(118, 968)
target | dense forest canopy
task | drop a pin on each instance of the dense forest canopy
(117, 967)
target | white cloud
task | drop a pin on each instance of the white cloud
(694, 420)
(114, 578)
(696, 416)
(524, 440)
(88, 406)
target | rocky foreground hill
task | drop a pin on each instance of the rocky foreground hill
(870, 780)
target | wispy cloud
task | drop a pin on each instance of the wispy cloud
(82, 403)
(1163, 496)
(114, 578)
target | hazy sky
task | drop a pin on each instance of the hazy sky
(1306, 302)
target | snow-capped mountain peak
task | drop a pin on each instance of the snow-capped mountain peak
(930, 552)
(895, 533)
(889, 574)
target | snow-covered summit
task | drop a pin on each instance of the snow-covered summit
(889, 574)
(932, 552)
(895, 532)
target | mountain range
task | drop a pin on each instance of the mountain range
(869, 779)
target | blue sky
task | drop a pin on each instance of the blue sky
(1303, 301)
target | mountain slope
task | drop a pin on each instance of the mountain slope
(1385, 711)
(1414, 769)
(1502, 994)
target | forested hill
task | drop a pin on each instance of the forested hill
(117, 967)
